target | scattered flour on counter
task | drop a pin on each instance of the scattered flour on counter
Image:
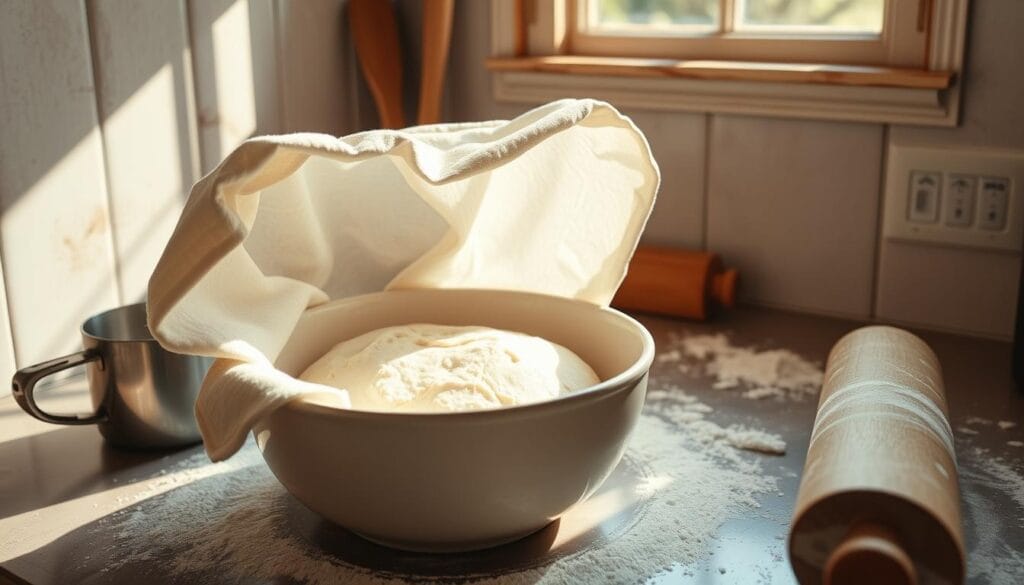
(687, 413)
(186, 471)
(755, 440)
(761, 393)
(234, 520)
(669, 357)
(991, 560)
(992, 491)
(992, 494)
(968, 428)
(1003, 476)
(772, 373)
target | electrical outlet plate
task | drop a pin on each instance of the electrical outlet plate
(904, 221)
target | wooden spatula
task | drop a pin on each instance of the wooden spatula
(437, 34)
(372, 23)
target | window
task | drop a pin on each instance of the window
(865, 60)
(854, 32)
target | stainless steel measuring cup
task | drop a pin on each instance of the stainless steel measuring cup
(143, 395)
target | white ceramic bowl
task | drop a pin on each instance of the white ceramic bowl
(459, 481)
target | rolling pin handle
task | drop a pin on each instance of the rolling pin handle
(870, 554)
(723, 287)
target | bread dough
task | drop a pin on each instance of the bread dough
(437, 368)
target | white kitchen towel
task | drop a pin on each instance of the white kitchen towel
(552, 202)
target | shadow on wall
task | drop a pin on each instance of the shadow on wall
(219, 68)
(63, 132)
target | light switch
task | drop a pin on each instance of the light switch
(958, 204)
(924, 196)
(963, 197)
(993, 197)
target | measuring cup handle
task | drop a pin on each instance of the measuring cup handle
(24, 384)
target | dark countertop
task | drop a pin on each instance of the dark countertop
(60, 487)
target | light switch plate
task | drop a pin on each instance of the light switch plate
(993, 202)
(925, 187)
(994, 217)
(959, 203)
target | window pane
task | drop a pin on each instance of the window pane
(828, 15)
(620, 14)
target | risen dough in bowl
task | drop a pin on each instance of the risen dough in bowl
(438, 368)
(457, 481)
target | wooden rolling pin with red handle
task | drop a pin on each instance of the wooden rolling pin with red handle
(878, 500)
(674, 282)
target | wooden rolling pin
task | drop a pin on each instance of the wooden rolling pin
(878, 500)
(676, 282)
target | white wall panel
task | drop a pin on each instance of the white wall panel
(958, 288)
(469, 83)
(952, 289)
(144, 91)
(992, 83)
(794, 205)
(223, 67)
(678, 142)
(265, 77)
(55, 237)
(317, 68)
(6, 342)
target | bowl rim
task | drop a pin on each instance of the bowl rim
(624, 380)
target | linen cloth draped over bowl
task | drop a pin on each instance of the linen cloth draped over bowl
(552, 202)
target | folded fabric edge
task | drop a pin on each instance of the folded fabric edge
(606, 110)
(207, 228)
(234, 398)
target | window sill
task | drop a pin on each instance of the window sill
(832, 92)
(728, 71)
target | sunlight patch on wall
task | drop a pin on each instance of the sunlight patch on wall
(232, 61)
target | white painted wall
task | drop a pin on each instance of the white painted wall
(110, 110)
(144, 94)
(955, 289)
(795, 204)
(55, 229)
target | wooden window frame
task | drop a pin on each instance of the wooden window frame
(537, 59)
(902, 42)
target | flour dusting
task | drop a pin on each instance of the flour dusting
(234, 520)
(992, 492)
(987, 480)
(762, 393)
(771, 373)
(1003, 475)
(688, 414)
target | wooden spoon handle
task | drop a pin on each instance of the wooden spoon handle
(437, 34)
(372, 23)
